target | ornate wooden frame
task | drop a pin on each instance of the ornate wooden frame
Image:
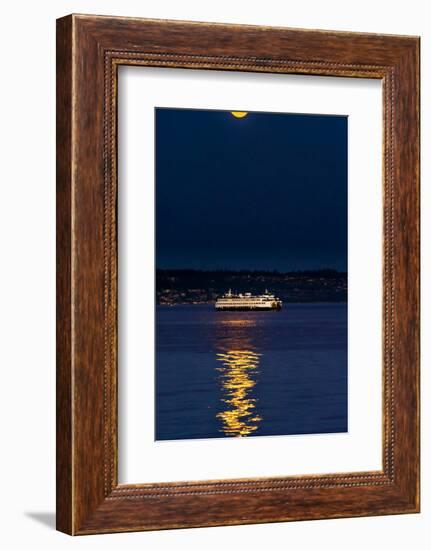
(89, 51)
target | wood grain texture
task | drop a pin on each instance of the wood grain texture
(90, 49)
(64, 495)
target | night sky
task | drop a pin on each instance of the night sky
(267, 191)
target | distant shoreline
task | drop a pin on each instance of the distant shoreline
(190, 286)
(286, 304)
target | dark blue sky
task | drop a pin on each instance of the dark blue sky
(268, 191)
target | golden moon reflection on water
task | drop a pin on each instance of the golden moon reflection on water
(238, 378)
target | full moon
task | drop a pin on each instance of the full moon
(239, 114)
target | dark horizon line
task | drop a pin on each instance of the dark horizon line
(259, 271)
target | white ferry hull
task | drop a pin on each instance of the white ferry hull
(275, 307)
(248, 302)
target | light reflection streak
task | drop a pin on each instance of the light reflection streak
(238, 378)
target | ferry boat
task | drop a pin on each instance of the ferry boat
(247, 302)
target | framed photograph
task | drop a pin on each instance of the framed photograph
(237, 274)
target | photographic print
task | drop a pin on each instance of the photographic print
(251, 274)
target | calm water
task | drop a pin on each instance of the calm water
(230, 374)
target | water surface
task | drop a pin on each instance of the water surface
(237, 374)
